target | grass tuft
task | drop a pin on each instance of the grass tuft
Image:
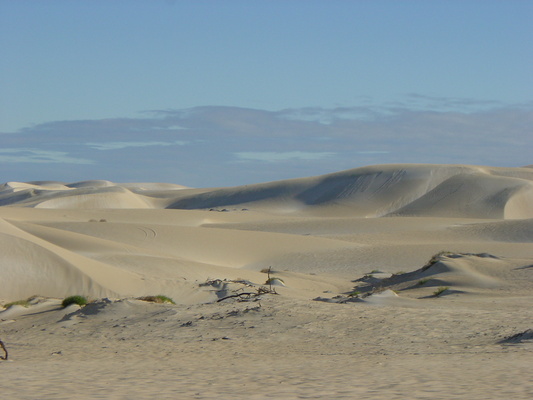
(157, 299)
(436, 258)
(79, 300)
(24, 303)
(440, 291)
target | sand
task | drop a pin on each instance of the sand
(352, 313)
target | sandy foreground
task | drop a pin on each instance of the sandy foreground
(355, 312)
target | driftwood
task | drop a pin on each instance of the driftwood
(5, 350)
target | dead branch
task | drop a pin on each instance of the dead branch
(260, 290)
(5, 350)
(249, 294)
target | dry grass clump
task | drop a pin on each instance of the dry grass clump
(24, 303)
(436, 258)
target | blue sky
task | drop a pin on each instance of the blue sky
(212, 93)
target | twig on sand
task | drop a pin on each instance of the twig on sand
(260, 290)
(248, 294)
(5, 350)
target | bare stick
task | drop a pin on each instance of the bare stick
(5, 350)
(237, 295)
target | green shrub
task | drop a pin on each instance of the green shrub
(423, 281)
(79, 300)
(157, 299)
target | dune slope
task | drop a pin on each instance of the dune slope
(105, 239)
(405, 189)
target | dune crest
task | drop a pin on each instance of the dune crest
(375, 191)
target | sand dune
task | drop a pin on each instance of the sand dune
(391, 189)
(358, 240)
(324, 224)
(432, 190)
(460, 273)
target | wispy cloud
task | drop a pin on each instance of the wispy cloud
(38, 156)
(123, 145)
(271, 156)
(423, 102)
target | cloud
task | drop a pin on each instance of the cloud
(208, 146)
(326, 116)
(271, 156)
(123, 145)
(439, 103)
(38, 156)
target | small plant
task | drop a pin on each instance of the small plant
(157, 299)
(270, 280)
(435, 258)
(79, 300)
(355, 293)
(423, 281)
(440, 291)
(24, 303)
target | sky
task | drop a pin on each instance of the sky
(217, 93)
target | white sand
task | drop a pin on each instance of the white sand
(321, 236)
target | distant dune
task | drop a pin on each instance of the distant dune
(416, 190)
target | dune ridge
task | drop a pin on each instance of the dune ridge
(410, 189)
